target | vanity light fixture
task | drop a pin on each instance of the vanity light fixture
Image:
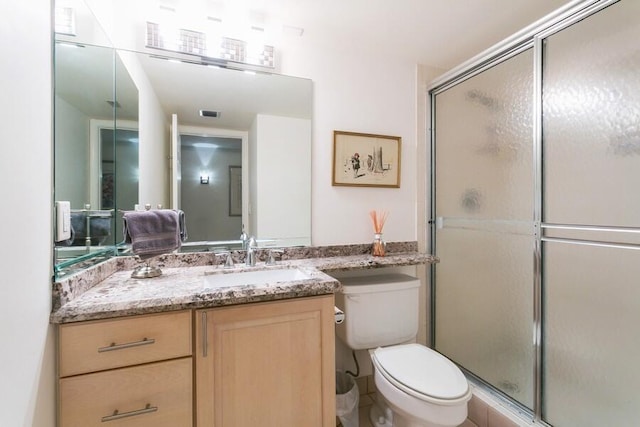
(204, 179)
(229, 52)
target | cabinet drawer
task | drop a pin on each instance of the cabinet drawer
(154, 395)
(106, 344)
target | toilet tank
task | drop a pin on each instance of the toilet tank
(379, 310)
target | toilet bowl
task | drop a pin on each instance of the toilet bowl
(421, 387)
(417, 386)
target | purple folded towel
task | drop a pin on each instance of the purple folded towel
(152, 232)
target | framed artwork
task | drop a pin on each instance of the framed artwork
(366, 160)
(235, 190)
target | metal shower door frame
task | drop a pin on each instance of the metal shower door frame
(531, 37)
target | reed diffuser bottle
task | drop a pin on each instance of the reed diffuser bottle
(378, 247)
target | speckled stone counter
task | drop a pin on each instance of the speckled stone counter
(107, 290)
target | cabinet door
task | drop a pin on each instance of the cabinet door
(268, 364)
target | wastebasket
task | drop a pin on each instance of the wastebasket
(347, 397)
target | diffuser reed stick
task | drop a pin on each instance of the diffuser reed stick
(378, 219)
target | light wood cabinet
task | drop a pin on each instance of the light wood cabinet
(132, 371)
(106, 344)
(151, 395)
(267, 364)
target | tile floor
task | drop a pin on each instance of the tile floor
(366, 400)
(482, 413)
(363, 411)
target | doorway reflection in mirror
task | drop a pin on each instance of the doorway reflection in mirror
(206, 160)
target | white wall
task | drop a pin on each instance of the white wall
(27, 392)
(358, 93)
(282, 179)
(369, 94)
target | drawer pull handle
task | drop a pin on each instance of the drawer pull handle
(114, 346)
(117, 416)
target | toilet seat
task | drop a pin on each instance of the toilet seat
(422, 373)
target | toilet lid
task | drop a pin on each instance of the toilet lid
(422, 370)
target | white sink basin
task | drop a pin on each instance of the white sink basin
(254, 278)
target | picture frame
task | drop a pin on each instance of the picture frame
(235, 190)
(366, 160)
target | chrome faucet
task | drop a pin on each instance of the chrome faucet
(250, 260)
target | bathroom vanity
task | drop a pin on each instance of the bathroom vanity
(276, 355)
(179, 350)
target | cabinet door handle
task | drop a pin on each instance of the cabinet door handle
(117, 416)
(205, 343)
(114, 346)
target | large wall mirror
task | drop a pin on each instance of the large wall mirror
(142, 127)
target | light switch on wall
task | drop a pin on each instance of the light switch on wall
(63, 221)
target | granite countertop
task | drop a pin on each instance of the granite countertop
(183, 287)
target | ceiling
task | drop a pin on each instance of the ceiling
(438, 33)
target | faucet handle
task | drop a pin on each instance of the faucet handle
(271, 259)
(228, 263)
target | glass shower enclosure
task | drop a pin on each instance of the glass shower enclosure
(536, 217)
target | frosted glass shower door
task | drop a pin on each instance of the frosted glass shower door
(591, 221)
(484, 195)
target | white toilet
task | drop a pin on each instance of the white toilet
(417, 387)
